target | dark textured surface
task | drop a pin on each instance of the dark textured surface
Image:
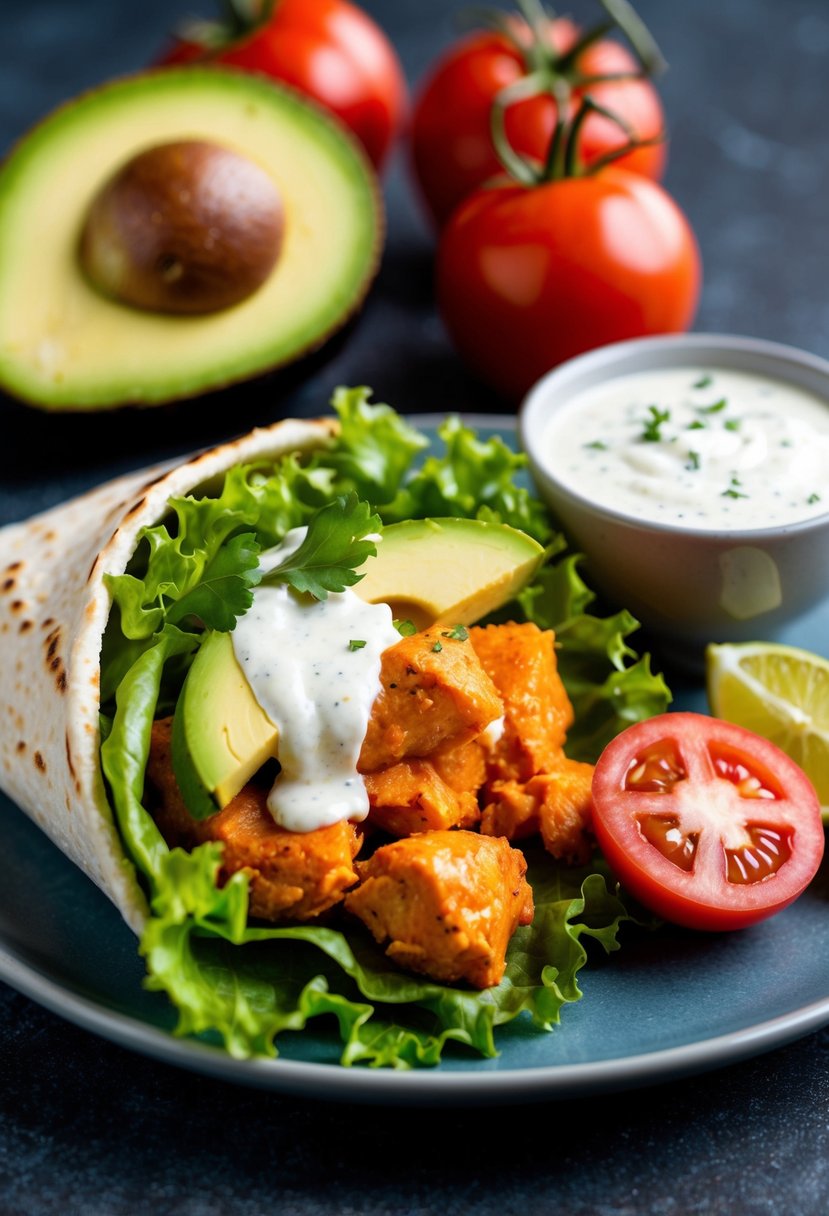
(87, 1128)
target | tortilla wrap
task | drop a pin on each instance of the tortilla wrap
(54, 607)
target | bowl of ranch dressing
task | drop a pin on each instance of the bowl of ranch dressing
(693, 473)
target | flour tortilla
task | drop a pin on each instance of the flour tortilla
(54, 607)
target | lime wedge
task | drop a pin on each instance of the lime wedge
(779, 692)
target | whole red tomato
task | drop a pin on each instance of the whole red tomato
(452, 147)
(328, 49)
(529, 276)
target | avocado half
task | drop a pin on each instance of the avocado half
(64, 345)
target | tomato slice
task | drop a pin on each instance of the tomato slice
(707, 824)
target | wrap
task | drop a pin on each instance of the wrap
(54, 607)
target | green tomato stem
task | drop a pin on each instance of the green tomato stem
(624, 17)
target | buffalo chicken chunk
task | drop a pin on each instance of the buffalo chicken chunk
(531, 785)
(521, 662)
(447, 902)
(433, 692)
(427, 795)
(293, 875)
(556, 804)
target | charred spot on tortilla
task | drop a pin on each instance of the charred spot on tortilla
(12, 566)
(47, 623)
(148, 485)
(8, 584)
(21, 745)
(136, 506)
(25, 626)
(69, 758)
(17, 605)
(40, 763)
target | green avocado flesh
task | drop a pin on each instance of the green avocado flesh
(451, 571)
(455, 571)
(64, 345)
(221, 735)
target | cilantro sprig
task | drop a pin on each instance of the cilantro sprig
(334, 547)
(651, 430)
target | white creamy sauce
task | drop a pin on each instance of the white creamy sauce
(317, 690)
(702, 448)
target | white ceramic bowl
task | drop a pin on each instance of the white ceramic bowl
(690, 585)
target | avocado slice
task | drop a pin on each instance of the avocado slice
(64, 344)
(451, 571)
(221, 734)
(448, 571)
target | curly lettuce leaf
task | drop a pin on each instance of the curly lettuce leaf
(202, 561)
(375, 447)
(126, 748)
(474, 479)
(249, 984)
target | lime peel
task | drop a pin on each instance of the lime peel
(780, 692)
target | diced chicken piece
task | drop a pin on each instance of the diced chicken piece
(412, 796)
(521, 662)
(511, 811)
(447, 903)
(463, 767)
(558, 804)
(434, 691)
(293, 875)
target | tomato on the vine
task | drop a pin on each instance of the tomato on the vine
(704, 822)
(452, 147)
(530, 276)
(329, 49)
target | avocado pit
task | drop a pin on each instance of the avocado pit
(188, 227)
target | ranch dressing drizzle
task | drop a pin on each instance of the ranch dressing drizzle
(316, 690)
(714, 450)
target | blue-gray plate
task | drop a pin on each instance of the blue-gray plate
(668, 1003)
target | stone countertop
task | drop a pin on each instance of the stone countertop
(86, 1127)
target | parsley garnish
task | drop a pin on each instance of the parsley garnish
(703, 382)
(225, 590)
(658, 417)
(356, 644)
(715, 408)
(598, 445)
(438, 646)
(405, 628)
(459, 632)
(812, 499)
(693, 461)
(334, 548)
(697, 425)
(732, 424)
(732, 491)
